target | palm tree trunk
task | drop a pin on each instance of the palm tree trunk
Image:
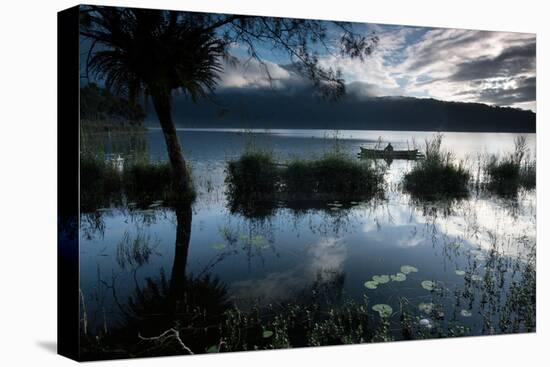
(161, 102)
(184, 217)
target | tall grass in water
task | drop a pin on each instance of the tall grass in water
(146, 181)
(102, 183)
(256, 177)
(506, 175)
(334, 175)
(438, 176)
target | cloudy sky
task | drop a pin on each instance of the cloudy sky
(496, 68)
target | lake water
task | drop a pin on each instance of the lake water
(332, 248)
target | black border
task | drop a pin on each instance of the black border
(68, 116)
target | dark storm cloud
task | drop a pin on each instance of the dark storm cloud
(524, 91)
(515, 60)
(442, 44)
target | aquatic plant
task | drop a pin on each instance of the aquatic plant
(334, 175)
(381, 279)
(371, 284)
(407, 269)
(255, 180)
(506, 175)
(166, 323)
(100, 183)
(254, 176)
(146, 182)
(398, 277)
(383, 310)
(139, 182)
(437, 176)
(428, 285)
(135, 251)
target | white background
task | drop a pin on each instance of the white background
(28, 181)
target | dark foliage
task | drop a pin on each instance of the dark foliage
(507, 175)
(333, 175)
(103, 185)
(431, 180)
(102, 110)
(145, 182)
(257, 183)
(158, 316)
(100, 183)
(254, 175)
(437, 176)
(304, 110)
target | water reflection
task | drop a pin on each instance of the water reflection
(147, 268)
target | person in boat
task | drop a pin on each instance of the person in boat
(388, 148)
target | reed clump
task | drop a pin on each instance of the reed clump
(506, 175)
(438, 176)
(104, 182)
(256, 176)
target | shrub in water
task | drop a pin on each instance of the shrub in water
(257, 178)
(103, 184)
(144, 182)
(99, 183)
(437, 176)
(254, 176)
(506, 176)
(335, 175)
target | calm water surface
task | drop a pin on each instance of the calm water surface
(332, 248)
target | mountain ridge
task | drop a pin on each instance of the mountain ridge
(306, 111)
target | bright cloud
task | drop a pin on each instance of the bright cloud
(449, 64)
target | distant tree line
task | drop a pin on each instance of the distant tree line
(269, 110)
(102, 109)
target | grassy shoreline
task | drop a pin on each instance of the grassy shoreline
(506, 175)
(104, 183)
(256, 176)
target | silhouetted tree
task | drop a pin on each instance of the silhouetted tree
(159, 52)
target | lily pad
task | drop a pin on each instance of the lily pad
(381, 279)
(371, 284)
(476, 278)
(426, 307)
(460, 272)
(267, 334)
(213, 349)
(399, 277)
(383, 309)
(465, 313)
(258, 241)
(407, 269)
(428, 285)
(218, 246)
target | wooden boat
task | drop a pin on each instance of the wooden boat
(391, 154)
